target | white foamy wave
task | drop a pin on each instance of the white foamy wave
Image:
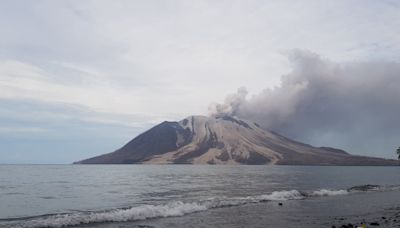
(283, 195)
(119, 215)
(327, 192)
(166, 210)
(234, 201)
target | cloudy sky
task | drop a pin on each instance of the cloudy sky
(81, 78)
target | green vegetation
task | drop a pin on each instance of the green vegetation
(398, 153)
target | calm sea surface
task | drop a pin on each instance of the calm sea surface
(58, 195)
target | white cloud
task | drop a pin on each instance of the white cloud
(146, 61)
(173, 58)
(131, 54)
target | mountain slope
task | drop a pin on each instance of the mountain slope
(224, 140)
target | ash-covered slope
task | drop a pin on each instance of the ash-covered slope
(224, 140)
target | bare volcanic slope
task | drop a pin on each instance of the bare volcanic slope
(224, 140)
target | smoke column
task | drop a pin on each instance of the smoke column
(352, 105)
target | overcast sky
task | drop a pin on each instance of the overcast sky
(81, 78)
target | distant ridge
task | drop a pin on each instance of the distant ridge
(225, 140)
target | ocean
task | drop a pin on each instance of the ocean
(197, 196)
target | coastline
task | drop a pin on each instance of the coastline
(373, 208)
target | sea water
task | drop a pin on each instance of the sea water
(69, 195)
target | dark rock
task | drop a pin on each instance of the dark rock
(240, 122)
(364, 188)
(280, 204)
(374, 224)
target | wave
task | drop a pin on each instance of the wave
(144, 212)
(177, 208)
(118, 215)
(327, 192)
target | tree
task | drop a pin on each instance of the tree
(398, 153)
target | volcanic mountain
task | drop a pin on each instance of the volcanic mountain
(224, 140)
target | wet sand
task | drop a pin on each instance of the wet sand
(381, 208)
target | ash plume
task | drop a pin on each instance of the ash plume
(351, 105)
(231, 105)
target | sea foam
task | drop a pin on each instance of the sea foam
(327, 192)
(171, 209)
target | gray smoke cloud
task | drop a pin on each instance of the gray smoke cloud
(352, 105)
(231, 105)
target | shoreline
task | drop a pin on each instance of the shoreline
(376, 209)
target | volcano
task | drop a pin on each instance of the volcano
(224, 140)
